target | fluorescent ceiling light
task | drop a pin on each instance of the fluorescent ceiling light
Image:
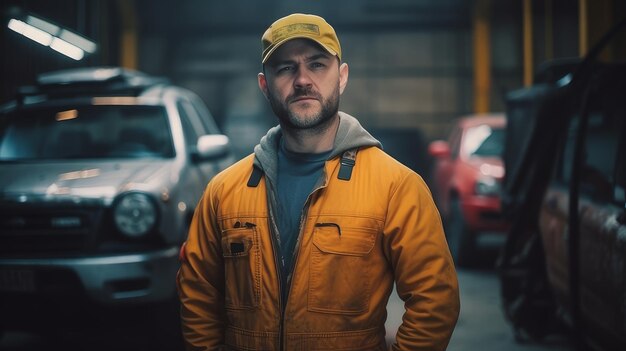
(62, 40)
(30, 32)
(43, 25)
(79, 41)
(67, 49)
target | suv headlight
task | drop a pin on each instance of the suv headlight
(135, 214)
(487, 186)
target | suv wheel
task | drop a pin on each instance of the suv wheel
(461, 240)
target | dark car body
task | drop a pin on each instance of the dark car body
(564, 263)
(406, 145)
(100, 172)
(467, 173)
(597, 163)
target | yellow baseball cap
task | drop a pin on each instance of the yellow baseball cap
(300, 25)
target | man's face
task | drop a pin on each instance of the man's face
(302, 83)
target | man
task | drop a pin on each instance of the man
(297, 246)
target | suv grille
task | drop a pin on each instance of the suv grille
(46, 228)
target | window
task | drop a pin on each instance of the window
(192, 127)
(597, 173)
(205, 116)
(484, 141)
(76, 132)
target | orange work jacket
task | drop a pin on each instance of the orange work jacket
(357, 238)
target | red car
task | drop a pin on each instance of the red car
(467, 174)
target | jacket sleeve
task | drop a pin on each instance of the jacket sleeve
(201, 279)
(423, 268)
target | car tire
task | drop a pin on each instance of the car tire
(461, 240)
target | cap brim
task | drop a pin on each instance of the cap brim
(277, 45)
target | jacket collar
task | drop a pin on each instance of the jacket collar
(350, 135)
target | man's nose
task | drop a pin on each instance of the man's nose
(302, 79)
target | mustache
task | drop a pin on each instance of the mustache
(304, 93)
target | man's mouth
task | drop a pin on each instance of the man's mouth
(303, 98)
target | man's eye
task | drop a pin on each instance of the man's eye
(317, 65)
(283, 69)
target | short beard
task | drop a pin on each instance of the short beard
(315, 124)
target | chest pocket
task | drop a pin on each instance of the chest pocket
(242, 268)
(340, 265)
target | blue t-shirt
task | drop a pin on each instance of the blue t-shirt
(297, 174)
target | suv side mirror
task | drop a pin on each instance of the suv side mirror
(439, 149)
(211, 147)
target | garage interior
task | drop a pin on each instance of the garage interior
(413, 64)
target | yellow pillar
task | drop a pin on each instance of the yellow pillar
(482, 56)
(528, 43)
(596, 19)
(128, 50)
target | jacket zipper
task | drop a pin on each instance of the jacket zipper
(275, 246)
(303, 215)
(278, 264)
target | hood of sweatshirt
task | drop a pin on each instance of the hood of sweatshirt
(350, 135)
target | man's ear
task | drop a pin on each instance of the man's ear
(343, 77)
(262, 84)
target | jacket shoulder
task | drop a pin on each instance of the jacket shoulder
(377, 159)
(237, 173)
(382, 168)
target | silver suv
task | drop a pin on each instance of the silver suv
(100, 170)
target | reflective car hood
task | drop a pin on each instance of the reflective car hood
(89, 180)
(489, 166)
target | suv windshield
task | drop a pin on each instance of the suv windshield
(484, 141)
(84, 132)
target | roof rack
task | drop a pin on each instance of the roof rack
(100, 81)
